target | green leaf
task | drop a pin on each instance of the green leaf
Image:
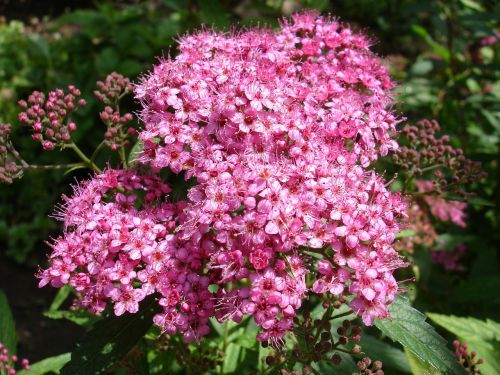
(482, 336)
(176, 4)
(346, 366)
(135, 152)
(8, 335)
(60, 297)
(316, 4)
(107, 60)
(406, 233)
(417, 366)
(439, 49)
(110, 340)
(82, 318)
(47, 365)
(213, 13)
(408, 327)
(231, 356)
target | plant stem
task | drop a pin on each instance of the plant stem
(341, 315)
(38, 167)
(96, 151)
(89, 163)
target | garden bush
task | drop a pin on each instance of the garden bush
(261, 199)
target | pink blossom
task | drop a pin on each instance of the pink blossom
(279, 133)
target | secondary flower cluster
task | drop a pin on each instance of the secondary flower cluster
(49, 116)
(8, 362)
(278, 131)
(426, 151)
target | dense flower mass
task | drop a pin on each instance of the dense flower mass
(276, 133)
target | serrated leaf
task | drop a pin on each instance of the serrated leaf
(408, 327)
(8, 336)
(109, 340)
(482, 336)
(469, 327)
(47, 365)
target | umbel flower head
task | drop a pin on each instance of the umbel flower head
(278, 131)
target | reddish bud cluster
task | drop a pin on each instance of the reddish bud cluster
(114, 87)
(467, 360)
(49, 116)
(8, 362)
(115, 136)
(8, 168)
(426, 151)
(368, 367)
(110, 92)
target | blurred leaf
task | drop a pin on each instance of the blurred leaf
(346, 366)
(212, 13)
(231, 358)
(439, 49)
(473, 5)
(408, 327)
(130, 68)
(477, 201)
(316, 4)
(93, 23)
(176, 4)
(422, 67)
(481, 336)
(405, 233)
(47, 365)
(390, 356)
(107, 60)
(109, 340)
(8, 336)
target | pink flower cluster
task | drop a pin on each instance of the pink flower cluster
(8, 362)
(278, 131)
(442, 209)
(450, 258)
(49, 116)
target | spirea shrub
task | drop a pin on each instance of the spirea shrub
(252, 186)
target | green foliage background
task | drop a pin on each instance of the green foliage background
(432, 48)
